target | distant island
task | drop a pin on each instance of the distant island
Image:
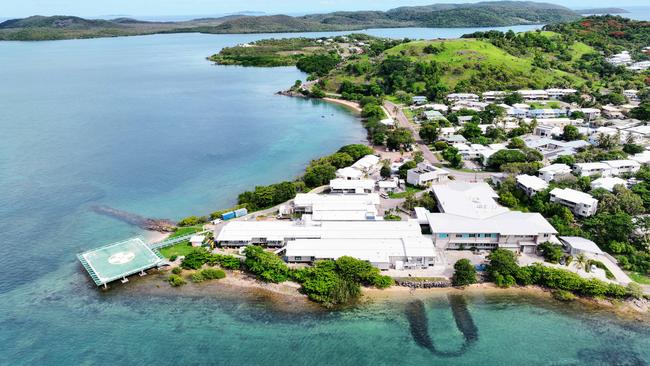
(483, 14)
(602, 11)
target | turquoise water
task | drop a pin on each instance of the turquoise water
(147, 125)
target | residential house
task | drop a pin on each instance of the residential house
(533, 95)
(355, 186)
(418, 99)
(580, 203)
(426, 174)
(608, 183)
(591, 169)
(554, 172)
(531, 184)
(456, 97)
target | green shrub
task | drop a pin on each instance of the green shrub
(563, 295)
(228, 261)
(197, 277)
(212, 274)
(176, 280)
(177, 270)
(265, 265)
(173, 258)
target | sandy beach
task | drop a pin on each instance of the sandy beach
(352, 105)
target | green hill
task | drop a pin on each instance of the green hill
(496, 13)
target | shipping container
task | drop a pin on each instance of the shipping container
(241, 212)
(228, 215)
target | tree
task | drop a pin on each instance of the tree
(319, 175)
(471, 131)
(356, 151)
(641, 112)
(565, 159)
(265, 265)
(551, 253)
(399, 138)
(385, 171)
(516, 143)
(506, 156)
(464, 273)
(429, 132)
(502, 267)
(632, 149)
(454, 158)
(340, 160)
(571, 133)
(513, 98)
(492, 113)
(404, 168)
(418, 157)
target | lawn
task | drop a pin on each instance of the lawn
(181, 231)
(409, 190)
(180, 249)
(639, 278)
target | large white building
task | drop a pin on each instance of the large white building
(580, 203)
(385, 244)
(468, 199)
(470, 217)
(426, 174)
(311, 202)
(416, 252)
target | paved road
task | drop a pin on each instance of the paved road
(396, 113)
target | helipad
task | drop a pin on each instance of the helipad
(119, 260)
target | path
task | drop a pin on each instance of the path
(395, 112)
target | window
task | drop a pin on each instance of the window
(472, 235)
(459, 235)
(297, 258)
(443, 236)
(465, 235)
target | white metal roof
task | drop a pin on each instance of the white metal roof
(532, 182)
(311, 199)
(284, 230)
(608, 183)
(352, 184)
(507, 223)
(574, 196)
(622, 163)
(580, 243)
(367, 162)
(555, 168)
(476, 200)
(374, 251)
(349, 172)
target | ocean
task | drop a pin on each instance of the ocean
(147, 125)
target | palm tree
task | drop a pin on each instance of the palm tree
(581, 261)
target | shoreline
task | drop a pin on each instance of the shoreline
(286, 296)
(346, 103)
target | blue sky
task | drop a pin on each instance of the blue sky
(15, 8)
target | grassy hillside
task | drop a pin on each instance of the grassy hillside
(464, 65)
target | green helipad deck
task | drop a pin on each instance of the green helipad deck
(119, 260)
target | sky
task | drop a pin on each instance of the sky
(97, 8)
